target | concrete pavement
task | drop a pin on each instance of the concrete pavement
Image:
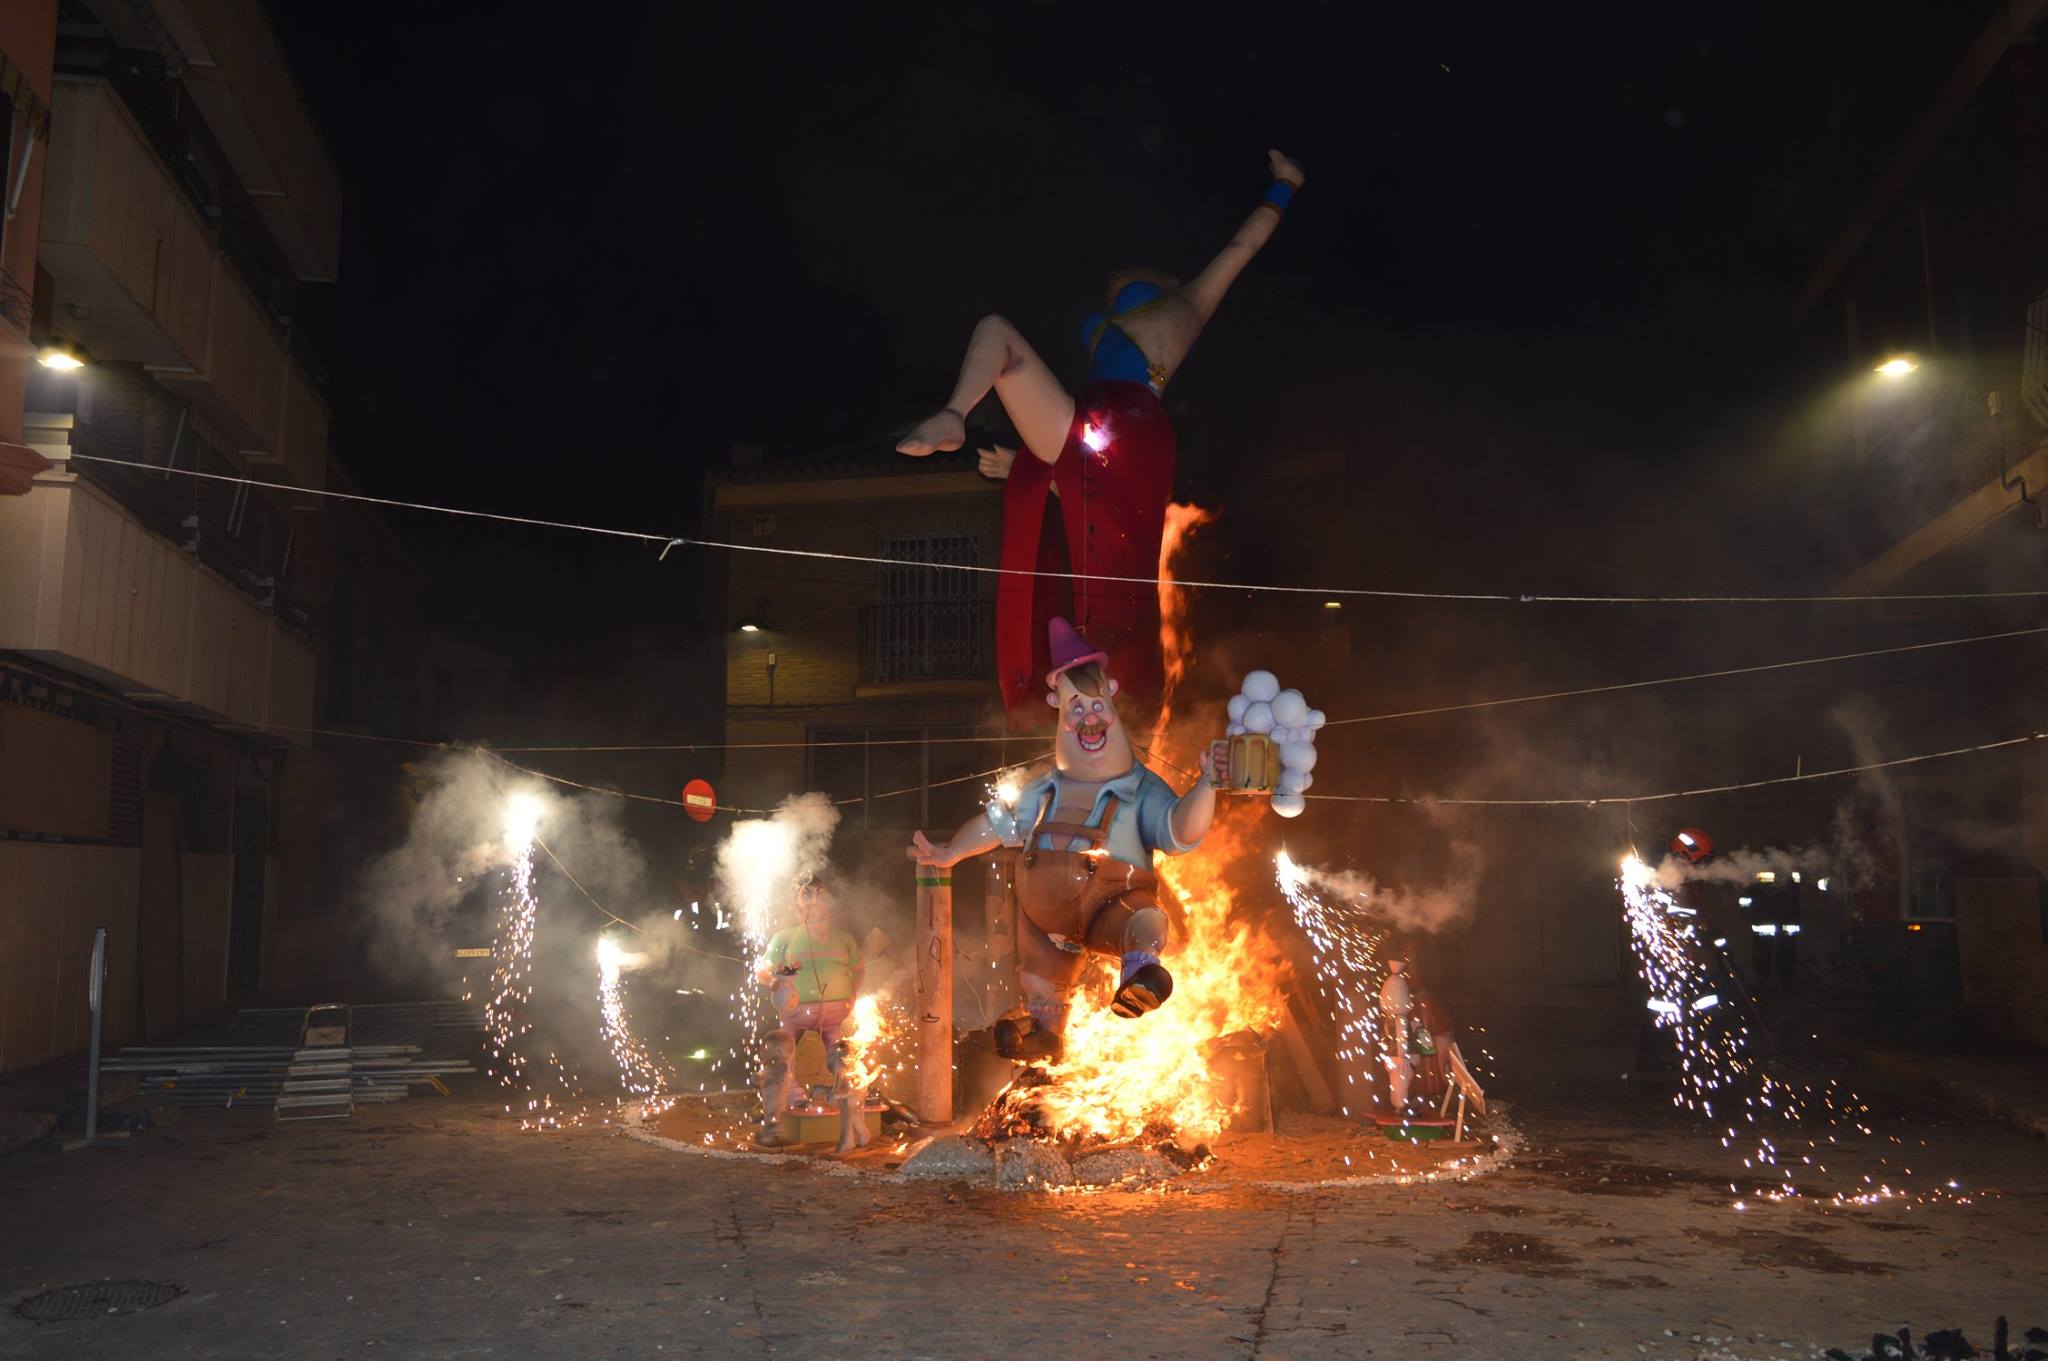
(434, 1229)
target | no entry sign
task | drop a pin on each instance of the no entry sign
(699, 801)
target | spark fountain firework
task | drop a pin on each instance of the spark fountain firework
(505, 1026)
(1721, 1078)
(644, 1076)
(1344, 941)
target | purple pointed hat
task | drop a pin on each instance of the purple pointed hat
(1069, 650)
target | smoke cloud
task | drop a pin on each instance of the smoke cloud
(1420, 910)
(761, 861)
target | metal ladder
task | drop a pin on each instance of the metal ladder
(319, 1082)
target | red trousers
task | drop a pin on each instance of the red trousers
(1115, 475)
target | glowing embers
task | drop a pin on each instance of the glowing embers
(1720, 1076)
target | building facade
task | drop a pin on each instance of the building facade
(1934, 290)
(860, 678)
(177, 615)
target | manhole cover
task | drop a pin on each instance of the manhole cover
(96, 1300)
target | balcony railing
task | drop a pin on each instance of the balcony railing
(121, 413)
(918, 640)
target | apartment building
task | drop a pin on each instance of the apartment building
(176, 615)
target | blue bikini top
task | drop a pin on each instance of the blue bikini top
(1111, 353)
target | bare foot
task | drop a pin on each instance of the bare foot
(997, 462)
(945, 431)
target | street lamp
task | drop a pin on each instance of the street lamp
(60, 355)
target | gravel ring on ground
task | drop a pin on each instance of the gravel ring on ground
(1506, 1138)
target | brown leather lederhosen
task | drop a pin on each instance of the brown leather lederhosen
(1082, 898)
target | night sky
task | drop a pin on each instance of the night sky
(1532, 312)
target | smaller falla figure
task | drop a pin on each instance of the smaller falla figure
(1088, 829)
(813, 973)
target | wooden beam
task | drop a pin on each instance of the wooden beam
(2013, 20)
(1946, 530)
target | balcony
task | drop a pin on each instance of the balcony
(142, 279)
(233, 67)
(94, 591)
(908, 641)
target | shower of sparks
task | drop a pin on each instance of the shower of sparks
(644, 1076)
(1344, 942)
(1694, 1000)
(512, 979)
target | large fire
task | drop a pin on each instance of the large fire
(1121, 1079)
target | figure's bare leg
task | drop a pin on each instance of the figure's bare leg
(999, 357)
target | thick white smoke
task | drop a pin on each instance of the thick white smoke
(760, 862)
(1425, 910)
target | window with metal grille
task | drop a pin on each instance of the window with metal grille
(906, 577)
(931, 623)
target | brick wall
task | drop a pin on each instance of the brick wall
(811, 607)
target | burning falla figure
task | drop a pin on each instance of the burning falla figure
(1088, 829)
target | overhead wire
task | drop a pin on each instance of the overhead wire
(981, 739)
(1700, 792)
(672, 541)
(1680, 680)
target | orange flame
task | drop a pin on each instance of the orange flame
(1122, 1076)
(1176, 642)
(865, 1033)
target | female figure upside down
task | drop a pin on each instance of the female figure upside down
(1108, 453)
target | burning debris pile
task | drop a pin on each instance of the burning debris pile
(1021, 1111)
